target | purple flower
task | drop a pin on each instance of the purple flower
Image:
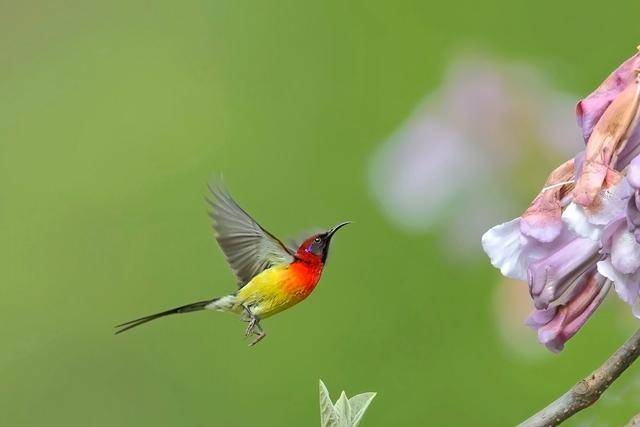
(551, 277)
(582, 232)
(613, 140)
(557, 324)
(434, 171)
(590, 109)
(633, 206)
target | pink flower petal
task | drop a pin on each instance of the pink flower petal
(557, 325)
(543, 219)
(590, 109)
(606, 142)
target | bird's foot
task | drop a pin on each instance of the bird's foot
(259, 338)
(251, 327)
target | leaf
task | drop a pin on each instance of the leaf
(346, 412)
(343, 409)
(359, 404)
(328, 415)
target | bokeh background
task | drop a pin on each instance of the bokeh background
(113, 117)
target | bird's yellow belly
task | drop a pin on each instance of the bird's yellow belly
(270, 292)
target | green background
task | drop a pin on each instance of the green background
(114, 115)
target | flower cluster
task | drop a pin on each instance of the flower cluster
(581, 234)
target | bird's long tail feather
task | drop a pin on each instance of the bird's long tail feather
(196, 306)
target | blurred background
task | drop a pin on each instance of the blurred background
(425, 123)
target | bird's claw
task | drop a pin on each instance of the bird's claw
(260, 336)
(251, 328)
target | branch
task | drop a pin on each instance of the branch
(586, 392)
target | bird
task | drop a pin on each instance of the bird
(271, 276)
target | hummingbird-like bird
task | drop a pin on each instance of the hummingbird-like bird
(271, 276)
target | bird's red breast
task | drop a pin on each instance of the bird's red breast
(305, 271)
(305, 276)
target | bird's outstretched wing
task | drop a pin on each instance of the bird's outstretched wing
(248, 247)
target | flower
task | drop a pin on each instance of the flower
(434, 171)
(557, 324)
(581, 234)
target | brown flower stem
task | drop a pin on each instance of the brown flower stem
(587, 391)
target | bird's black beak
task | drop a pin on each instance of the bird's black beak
(331, 232)
(327, 239)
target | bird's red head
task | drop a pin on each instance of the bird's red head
(316, 248)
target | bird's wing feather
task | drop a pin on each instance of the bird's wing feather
(247, 246)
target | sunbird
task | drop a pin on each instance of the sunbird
(271, 275)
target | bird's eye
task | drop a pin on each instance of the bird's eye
(317, 240)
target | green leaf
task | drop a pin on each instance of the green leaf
(359, 404)
(343, 409)
(328, 415)
(346, 412)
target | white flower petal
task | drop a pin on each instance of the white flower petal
(626, 285)
(613, 203)
(578, 221)
(504, 243)
(625, 252)
(512, 252)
